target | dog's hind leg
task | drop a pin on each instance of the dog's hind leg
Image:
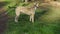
(17, 16)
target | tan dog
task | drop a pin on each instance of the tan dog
(28, 11)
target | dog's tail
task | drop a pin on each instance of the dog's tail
(9, 8)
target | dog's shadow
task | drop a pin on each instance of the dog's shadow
(41, 12)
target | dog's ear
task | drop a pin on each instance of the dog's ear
(35, 3)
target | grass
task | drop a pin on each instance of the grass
(46, 22)
(24, 26)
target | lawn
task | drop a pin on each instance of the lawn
(46, 22)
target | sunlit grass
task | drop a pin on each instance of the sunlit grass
(52, 15)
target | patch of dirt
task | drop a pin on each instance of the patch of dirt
(3, 18)
(3, 4)
(3, 22)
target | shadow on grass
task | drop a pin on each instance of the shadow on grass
(3, 18)
(3, 4)
(40, 13)
(3, 23)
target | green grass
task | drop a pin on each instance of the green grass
(24, 26)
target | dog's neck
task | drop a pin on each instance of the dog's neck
(34, 7)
